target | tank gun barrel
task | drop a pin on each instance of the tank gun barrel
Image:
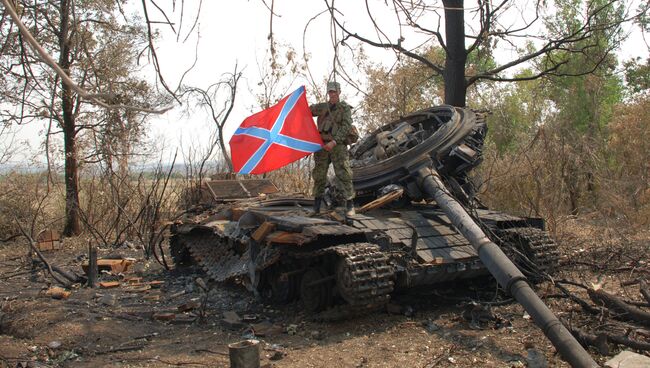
(505, 272)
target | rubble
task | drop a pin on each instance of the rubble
(108, 299)
(58, 293)
(114, 266)
(266, 329)
(165, 317)
(628, 359)
(109, 284)
(232, 321)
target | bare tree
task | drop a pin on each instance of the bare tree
(218, 100)
(97, 54)
(8, 144)
(553, 43)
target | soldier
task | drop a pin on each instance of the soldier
(334, 124)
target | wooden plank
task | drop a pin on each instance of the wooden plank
(434, 256)
(441, 242)
(265, 229)
(373, 224)
(405, 233)
(330, 230)
(462, 253)
(380, 225)
(360, 217)
(425, 256)
(457, 253)
(109, 284)
(432, 243)
(387, 198)
(417, 221)
(427, 231)
(394, 236)
(284, 237)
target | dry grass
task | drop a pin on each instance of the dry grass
(113, 209)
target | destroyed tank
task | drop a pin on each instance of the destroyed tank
(418, 223)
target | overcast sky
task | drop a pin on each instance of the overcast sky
(236, 32)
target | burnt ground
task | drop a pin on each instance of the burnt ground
(129, 325)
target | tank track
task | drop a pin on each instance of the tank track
(217, 259)
(364, 275)
(533, 251)
(179, 252)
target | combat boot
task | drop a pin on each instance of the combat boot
(349, 208)
(317, 202)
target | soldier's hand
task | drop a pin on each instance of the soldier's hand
(329, 146)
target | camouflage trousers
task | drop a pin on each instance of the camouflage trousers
(339, 158)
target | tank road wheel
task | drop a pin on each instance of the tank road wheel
(316, 289)
(278, 286)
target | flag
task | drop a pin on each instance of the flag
(275, 137)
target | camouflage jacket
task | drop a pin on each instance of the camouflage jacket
(334, 122)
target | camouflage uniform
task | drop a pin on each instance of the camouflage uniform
(334, 123)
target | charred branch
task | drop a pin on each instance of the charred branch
(602, 340)
(623, 310)
(645, 291)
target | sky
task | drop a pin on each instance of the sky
(236, 32)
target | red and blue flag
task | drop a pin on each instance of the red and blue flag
(275, 137)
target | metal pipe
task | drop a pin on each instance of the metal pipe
(505, 272)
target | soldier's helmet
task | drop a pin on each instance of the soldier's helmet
(333, 86)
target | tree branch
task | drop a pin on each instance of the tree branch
(64, 77)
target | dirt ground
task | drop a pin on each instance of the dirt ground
(129, 326)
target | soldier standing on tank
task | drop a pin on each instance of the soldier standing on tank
(334, 124)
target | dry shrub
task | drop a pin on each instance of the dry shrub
(27, 198)
(561, 171)
(293, 178)
(130, 207)
(542, 179)
(627, 180)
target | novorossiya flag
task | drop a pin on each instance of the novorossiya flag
(275, 137)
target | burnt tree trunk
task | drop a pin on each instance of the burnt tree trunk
(72, 220)
(454, 73)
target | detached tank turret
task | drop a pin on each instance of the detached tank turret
(418, 223)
